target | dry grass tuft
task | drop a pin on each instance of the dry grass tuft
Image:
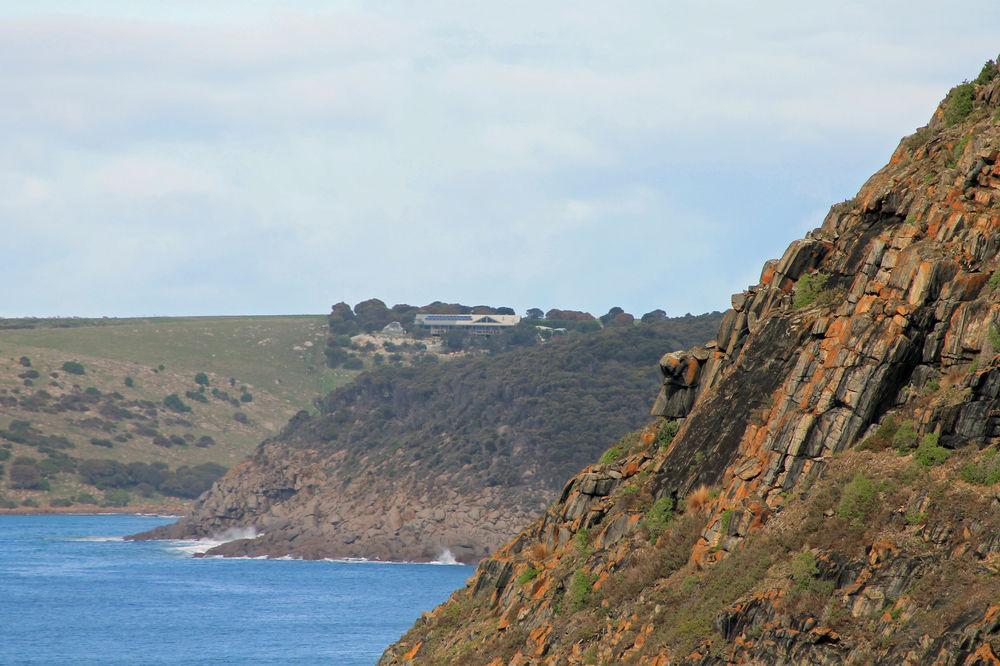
(699, 499)
(538, 551)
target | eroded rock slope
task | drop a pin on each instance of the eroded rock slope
(820, 485)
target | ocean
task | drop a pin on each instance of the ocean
(73, 592)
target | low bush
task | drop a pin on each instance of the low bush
(61, 501)
(667, 432)
(994, 337)
(197, 396)
(905, 437)
(985, 471)
(929, 453)
(74, 368)
(611, 455)
(959, 103)
(658, 516)
(25, 361)
(859, 499)
(581, 589)
(201, 379)
(205, 441)
(994, 281)
(174, 402)
(808, 288)
(117, 498)
(987, 73)
(129, 382)
(527, 576)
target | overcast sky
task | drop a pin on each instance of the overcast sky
(164, 158)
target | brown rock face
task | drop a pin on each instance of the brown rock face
(828, 497)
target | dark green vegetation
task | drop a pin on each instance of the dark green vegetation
(530, 415)
(371, 316)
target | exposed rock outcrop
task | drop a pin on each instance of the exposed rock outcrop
(821, 486)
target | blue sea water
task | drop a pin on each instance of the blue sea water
(72, 592)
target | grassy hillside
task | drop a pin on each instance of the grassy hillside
(258, 371)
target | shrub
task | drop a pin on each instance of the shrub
(201, 379)
(725, 521)
(659, 516)
(994, 280)
(240, 417)
(174, 402)
(527, 576)
(905, 436)
(808, 288)
(27, 476)
(86, 498)
(30, 502)
(117, 497)
(883, 437)
(987, 73)
(4, 454)
(246, 396)
(129, 382)
(858, 499)
(804, 569)
(355, 363)
(667, 432)
(73, 368)
(6, 503)
(994, 337)
(197, 396)
(959, 103)
(929, 453)
(582, 541)
(25, 361)
(30, 374)
(61, 501)
(205, 441)
(611, 455)
(580, 589)
(983, 472)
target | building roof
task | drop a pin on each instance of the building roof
(467, 320)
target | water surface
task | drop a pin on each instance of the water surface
(71, 591)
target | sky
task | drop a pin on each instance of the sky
(197, 158)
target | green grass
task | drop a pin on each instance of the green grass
(268, 355)
(259, 351)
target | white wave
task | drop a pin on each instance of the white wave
(446, 557)
(200, 546)
(99, 538)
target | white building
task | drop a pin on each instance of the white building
(476, 324)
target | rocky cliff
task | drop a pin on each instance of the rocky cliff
(820, 484)
(408, 463)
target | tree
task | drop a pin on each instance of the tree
(73, 367)
(505, 311)
(535, 314)
(174, 402)
(655, 315)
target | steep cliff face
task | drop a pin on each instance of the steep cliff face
(821, 484)
(407, 463)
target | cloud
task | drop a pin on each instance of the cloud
(254, 157)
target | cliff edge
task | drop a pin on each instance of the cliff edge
(820, 485)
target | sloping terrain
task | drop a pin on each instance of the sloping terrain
(822, 484)
(82, 400)
(408, 462)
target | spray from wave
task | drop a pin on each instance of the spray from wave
(200, 546)
(446, 557)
